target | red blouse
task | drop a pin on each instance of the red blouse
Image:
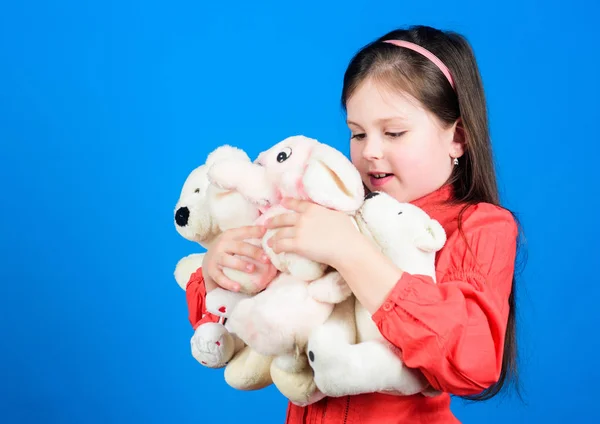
(195, 294)
(453, 331)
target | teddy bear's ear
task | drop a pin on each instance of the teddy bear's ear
(331, 180)
(432, 238)
(226, 152)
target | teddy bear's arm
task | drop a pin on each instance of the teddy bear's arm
(331, 288)
(221, 302)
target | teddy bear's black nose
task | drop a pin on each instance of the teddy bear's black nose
(182, 215)
(371, 195)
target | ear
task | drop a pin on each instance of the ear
(432, 237)
(226, 152)
(247, 178)
(331, 180)
(458, 144)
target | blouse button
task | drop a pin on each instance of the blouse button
(388, 306)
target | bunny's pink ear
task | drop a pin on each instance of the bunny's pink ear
(331, 180)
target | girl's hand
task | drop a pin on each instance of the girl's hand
(226, 251)
(314, 231)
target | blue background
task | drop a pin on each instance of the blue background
(104, 109)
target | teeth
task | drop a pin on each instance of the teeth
(380, 175)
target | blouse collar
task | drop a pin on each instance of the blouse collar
(439, 196)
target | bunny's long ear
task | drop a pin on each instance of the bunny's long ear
(432, 238)
(249, 179)
(331, 180)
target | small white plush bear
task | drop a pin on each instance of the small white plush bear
(348, 353)
(203, 212)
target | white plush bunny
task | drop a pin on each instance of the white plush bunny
(277, 322)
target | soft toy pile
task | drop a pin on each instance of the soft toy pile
(299, 327)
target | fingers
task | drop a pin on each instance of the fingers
(266, 274)
(282, 233)
(287, 244)
(247, 232)
(224, 282)
(231, 250)
(250, 251)
(283, 220)
(235, 243)
(235, 262)
(296, 204)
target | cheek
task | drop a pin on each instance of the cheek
(414, 161)
(404, 160)
(356, 153)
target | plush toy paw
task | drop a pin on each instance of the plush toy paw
(331, 288)
(212, 345)
(366, 367)
(293, 377)
(248, 370)
(221, 302)
(297, 266)
(187, 266)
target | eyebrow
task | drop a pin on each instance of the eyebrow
(381, 121)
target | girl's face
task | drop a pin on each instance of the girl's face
(397, 146)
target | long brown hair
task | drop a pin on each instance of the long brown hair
(474, 180)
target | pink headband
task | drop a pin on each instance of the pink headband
(425, 53)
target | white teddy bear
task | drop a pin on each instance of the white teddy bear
(348, 354)
(202, 212)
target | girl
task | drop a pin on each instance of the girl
(419, 132)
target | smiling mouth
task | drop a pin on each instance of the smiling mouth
(380, 179)
(379, 176)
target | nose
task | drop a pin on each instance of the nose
(371, 195)
(182, 215)
(373, 149)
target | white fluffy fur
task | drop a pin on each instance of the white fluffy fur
(277, 322)
(348, 354)
(186, 266)
(298, 167)
(202, 212)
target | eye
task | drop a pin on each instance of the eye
(284, 155)
(358, 136)
(197, 190)
(395, 134)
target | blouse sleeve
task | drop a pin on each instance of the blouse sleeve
(195, 293)
(454, 331)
